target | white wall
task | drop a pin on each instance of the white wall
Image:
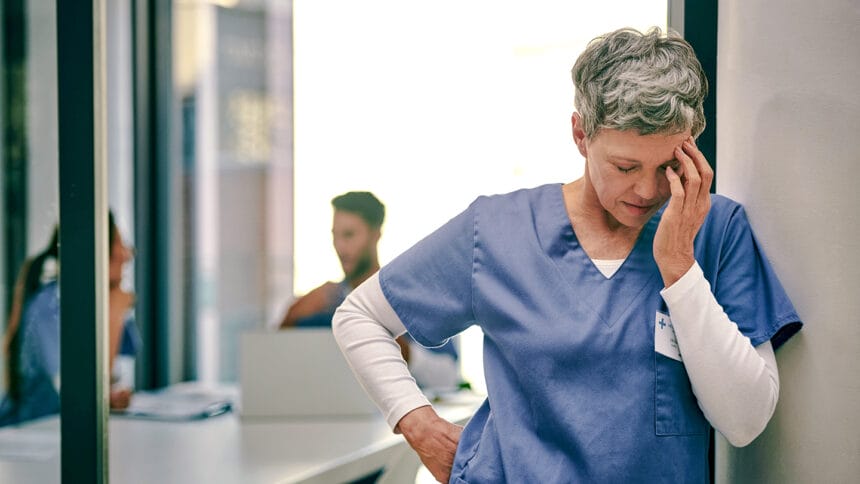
(120, 141)
(43, 209)
(788, 117)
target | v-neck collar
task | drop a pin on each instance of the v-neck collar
(608, 298)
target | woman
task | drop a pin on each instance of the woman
(623, 312)
(32, 345)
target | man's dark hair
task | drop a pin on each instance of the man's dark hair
(363, 204)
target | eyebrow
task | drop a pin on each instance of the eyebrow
(630, 160)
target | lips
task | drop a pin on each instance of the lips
(638, 209)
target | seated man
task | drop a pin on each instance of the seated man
(356, 229)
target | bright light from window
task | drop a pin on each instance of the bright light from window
(429, 105)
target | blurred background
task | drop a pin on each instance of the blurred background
(232, 124)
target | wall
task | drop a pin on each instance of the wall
(119, 112)
(43, 210)
(788, 113)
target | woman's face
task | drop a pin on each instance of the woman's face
(627, 171)
(119, 255)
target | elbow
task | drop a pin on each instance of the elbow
(742, 437)
(746, 430)
(288, 322)
(343, 321)
(747, 413)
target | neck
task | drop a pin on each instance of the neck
(356, 280)
(598, 232)
(584, 208)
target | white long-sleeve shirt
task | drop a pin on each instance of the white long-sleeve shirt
(736, 384)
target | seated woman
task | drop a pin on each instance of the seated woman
(32, 340)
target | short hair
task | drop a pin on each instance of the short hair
(649, 82)
(363, 204)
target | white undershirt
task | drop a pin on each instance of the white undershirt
(608, 267)
(736, 384)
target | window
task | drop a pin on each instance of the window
(429, 105)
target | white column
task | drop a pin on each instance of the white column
(279, 186)
(788, 114)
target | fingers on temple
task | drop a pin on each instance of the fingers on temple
(676, 202)
(690, 182)
(694, 176)
(703, 167)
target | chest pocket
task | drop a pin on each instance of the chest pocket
(676, 410)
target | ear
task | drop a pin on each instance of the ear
(579, 137)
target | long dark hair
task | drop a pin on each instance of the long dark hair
(29, 281)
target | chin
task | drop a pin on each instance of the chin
(633, 222)
(625, 216)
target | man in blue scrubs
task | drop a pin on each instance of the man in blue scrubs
(624, 313)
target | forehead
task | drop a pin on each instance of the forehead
(344, 220)
(631, 146)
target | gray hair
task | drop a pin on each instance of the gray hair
(648, 82)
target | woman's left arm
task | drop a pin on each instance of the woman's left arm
(736, 384)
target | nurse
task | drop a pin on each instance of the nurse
(624, 313)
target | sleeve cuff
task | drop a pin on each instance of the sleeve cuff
(693, 277)
(404, 406)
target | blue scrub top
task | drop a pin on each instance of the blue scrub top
(576, 392)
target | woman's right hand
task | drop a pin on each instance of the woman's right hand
(433, 438)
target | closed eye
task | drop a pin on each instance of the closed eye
(626, 170)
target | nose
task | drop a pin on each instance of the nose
(647, 186)
(338, 244)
